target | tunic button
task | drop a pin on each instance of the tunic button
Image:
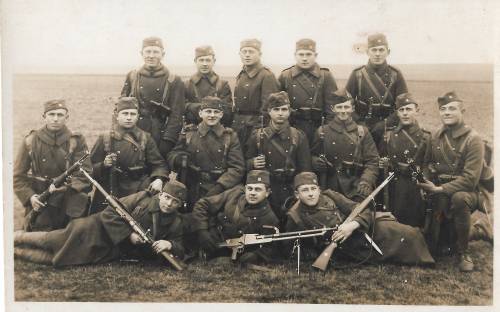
(43, 159)
(197, 151)
(269, 153)
(141, 87)
(135, 149)
(294, 97)
(335, 157)
(158, 89)
(310, 98)
(244, 97)
(437, 163)
(352, 143)
(333, 142)
(118, 152)
(438, 147)
(453, 148)
(255, 218)
(293, 86)
(350, 154)
(396, 134)
(240, 231)
(286, 151)
(247, 85)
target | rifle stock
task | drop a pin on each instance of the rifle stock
(324, 258)
(136, 227)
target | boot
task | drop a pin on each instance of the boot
(33, 255)
(34, 239)
(465, 263)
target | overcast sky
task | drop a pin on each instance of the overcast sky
(67, 35)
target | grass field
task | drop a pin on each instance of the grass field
(89, 99)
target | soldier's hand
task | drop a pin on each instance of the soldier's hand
(136, 239)
(161, 245)
(156, 186)
(259, 162)
(110, 160)
(364, 189)
(36, 203)
(344, 231)
(383, 162)
(430, 187)
(53, 189)
(319, 164)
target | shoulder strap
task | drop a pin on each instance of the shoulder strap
(168, 81)
(370, 84)
(106, 140)
(227, 142)
(28, 140)
(293, 213)
(320, 85)
(358, 78)
(218, 86)
(357, 150)
(189, 136)
(134, 84)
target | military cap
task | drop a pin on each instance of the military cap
(376, 40)
(152, 41)
(404, 99)
(202, 51)
(253, 43)
(448, 98)
(305, 178)
(258, 176)
(125, 102)
(278, 99)
(341, 96)
(54, 104)
(305, 44)
(176, 189)
(211, 102)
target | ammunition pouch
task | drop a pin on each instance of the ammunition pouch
(306, 113)
(207, 176)
(403, 169)
(282, 176)
(373, 110)
(133, 173)
(351, 168)
(40, 184)
(445, 178)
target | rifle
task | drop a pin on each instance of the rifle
(58, 182)
(385, 168)
(136, 226)
(260, 139)
(323, 177)
(324, 258)
(238, 244)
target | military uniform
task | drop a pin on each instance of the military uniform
(353, 156)
(103, 237)
(214, 156)
(229, 215)
(310, 93)
(138, 163)
(43, 156)
(375, 88)
(199, 86)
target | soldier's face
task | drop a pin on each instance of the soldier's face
(250, 56)
(451, 113)
(305, 58)
(408, 114)
(127, 118)
(168, 203)
(55, 119)
(205, 64)
(211, 116)
(256, 193)
(308, 194)
(152, 56)
(377, 55)
(343, 111)
(279, 114)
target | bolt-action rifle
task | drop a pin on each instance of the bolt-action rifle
(324, 258)
(136, 226)
(58, 182)
(323, 175)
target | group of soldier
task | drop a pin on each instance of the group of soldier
(307, 152)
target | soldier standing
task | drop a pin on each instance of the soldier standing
(455, 167)
(344, 153)
(160, 94)
(253, 85)
(45, 154)
(207, 83)
(408, 142)
(211, 152)
(126, 160)
(375, 87)
(240, 210)
(280, 149)
(310, 88)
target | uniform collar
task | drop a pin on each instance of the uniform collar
(203, 129)
(159, 71)
(119, 132)
(455, 131)
(253, 70)
(283, 132)
(377, 68)
(340, 126)
(410, 130)
(255, 210)
(211, 77)
(315, 70)
(54, 138)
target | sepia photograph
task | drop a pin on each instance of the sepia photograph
(276, 155)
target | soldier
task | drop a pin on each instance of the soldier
(316, 209)
(310, 88)
(207, 83)
(212, 153)
(281, 149)
(47, 153)
(455, 167)
(344, 153)
(105, 236)
(375, 87)
(160, 94)
(240, 210)
(408, 142)
(126, 159)
(253, 85)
